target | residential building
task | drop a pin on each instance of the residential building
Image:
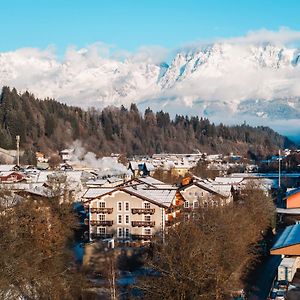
(128, 213)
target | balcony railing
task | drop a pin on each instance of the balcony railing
(101, 236)
(103, 210)
(140, 211)
(143, 223)
(141, 236)
(101, 223)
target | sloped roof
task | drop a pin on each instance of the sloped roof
(40, 191)
(291, 192)
(96, 182)
(228, 180)
(150, 180)
(7, 168)
(160, 196)
(134, 165)
(206, 185)
(289, 237)
(92, 193)
(149, 166)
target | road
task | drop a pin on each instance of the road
(265, 277)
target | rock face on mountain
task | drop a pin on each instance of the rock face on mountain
(214, 80)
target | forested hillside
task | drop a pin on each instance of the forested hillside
(48, 125)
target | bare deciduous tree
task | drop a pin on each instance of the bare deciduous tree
(207, 256)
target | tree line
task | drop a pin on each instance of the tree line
(48, 126)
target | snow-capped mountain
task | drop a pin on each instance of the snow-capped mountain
(223, 79)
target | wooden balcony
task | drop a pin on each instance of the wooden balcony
(101, 223)
(102, 210)
(141, 236)
(95, 236)
(143, 223)
(140, 211)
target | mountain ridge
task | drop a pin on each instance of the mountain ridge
(224, 73)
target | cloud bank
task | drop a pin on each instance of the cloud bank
(211, 78)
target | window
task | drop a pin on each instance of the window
(120, 232)
(186, 204)
(146, 205)
(101, 217)
(147, 218)
(126, 219)
(101, 204)
(101, 230)
(119, 219)
(119, 206)
(147, 231)
(127, 206)
(127, 233)
(196, 204)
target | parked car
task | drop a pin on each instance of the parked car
(272, 296)
(280, 295)
(281, 285)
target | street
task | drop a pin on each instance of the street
(265, 277)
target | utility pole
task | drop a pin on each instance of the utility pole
(18, 149)
(279, 169)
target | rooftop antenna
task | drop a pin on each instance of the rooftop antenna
(18, 149)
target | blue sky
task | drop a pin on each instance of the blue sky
(129, 24)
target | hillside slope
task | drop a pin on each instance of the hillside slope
(48, 125)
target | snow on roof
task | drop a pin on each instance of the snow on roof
(67, 151)
(43, 176)
(96, 182)
(73, 175)
(149, 166)
(288, 211)
(290, 236)
(7, 173)
(7, 168)
(19, 185)
(150, 180)
(160, 196)
(41, 191)
(228, 180)
(114, 179)
(210, 187)
(223, 189)
(134, 165)
(96, 192)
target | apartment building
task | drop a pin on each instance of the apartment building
(128, 213)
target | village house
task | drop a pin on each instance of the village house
(66, 155)
(11, 177)
(133, 212)
(196, 193)
(292, 198)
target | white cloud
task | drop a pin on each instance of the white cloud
(206, 78)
